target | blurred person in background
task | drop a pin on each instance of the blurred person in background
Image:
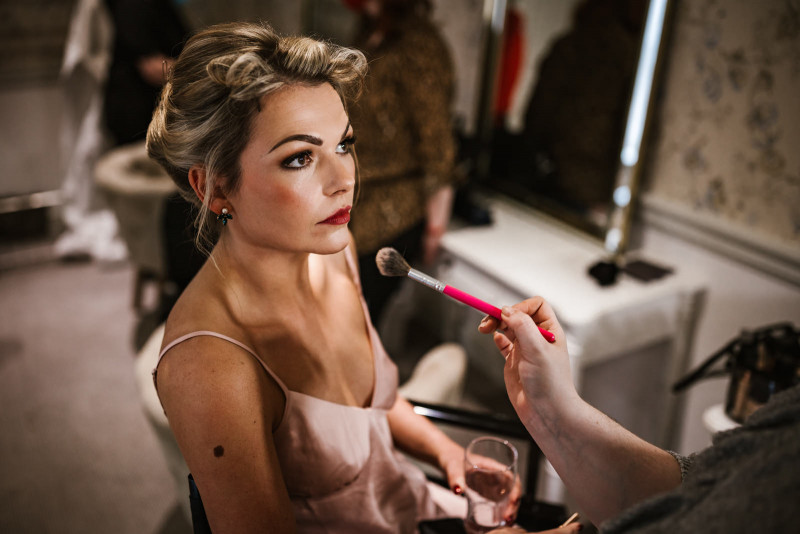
(148, 36)
(406, 146)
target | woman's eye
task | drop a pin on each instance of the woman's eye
(298, 161)
(345, 146)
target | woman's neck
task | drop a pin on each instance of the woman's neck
(267, 275)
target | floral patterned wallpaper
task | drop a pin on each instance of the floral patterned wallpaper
(727, 137)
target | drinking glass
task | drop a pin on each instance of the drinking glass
(490, 466)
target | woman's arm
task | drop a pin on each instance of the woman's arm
(417, 436)
(223, 408)
(605, 468)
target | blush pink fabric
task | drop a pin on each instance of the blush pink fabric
(339, 463)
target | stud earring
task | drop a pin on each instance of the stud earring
(224, 216)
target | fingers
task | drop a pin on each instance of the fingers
(453, 465)
(514, 499)
(504, 343)
(522, 327)
(458, 482)
(535, 307)
(542, 314)
(488, 325)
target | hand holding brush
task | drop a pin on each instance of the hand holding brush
(391, 263)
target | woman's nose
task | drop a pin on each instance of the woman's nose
(341, 176)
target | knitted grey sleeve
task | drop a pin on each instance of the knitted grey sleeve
(685, 463)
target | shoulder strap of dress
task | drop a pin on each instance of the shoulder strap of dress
(239, 344)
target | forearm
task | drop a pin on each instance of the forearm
(417, 436)
(605, 468)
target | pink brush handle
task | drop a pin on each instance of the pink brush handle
(485, 307)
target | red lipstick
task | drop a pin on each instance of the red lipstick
(340, 217)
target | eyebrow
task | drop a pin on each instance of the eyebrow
(299, 137)
(346, 129)
(307, 138)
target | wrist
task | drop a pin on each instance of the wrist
(449, 451)
(435, 230)
(546, 415)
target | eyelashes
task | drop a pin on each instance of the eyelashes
(297, 161)
(347, 143)
(302, 159)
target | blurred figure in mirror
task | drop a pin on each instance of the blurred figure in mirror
(569, 148)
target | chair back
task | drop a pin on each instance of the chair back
(199, 519)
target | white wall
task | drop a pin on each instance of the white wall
(738, 297)
(721, 191)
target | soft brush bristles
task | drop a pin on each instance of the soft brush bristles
(391, 263)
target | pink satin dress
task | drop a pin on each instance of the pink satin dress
(339, 463)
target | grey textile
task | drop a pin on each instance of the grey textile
(685, 463)
(747, 481)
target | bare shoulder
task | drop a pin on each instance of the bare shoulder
(223, 409)
(207, 372)
(205, 378)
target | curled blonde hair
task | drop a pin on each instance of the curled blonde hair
(214, 91)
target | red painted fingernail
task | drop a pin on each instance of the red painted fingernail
(457, 490)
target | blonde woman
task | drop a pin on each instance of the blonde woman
(273, 379)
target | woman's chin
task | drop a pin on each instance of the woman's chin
(335, 243)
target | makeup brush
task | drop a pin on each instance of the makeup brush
(392, 263)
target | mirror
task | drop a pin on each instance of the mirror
(553, 98)
(566, 121)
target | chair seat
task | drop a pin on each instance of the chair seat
(136, 188)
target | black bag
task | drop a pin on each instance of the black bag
(760, 363)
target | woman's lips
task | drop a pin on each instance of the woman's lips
(340, 217)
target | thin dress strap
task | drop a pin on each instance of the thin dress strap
(353, 267)
(230, 340)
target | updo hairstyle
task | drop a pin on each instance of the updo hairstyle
(215, 89)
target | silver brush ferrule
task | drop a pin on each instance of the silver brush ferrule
(423, 278)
